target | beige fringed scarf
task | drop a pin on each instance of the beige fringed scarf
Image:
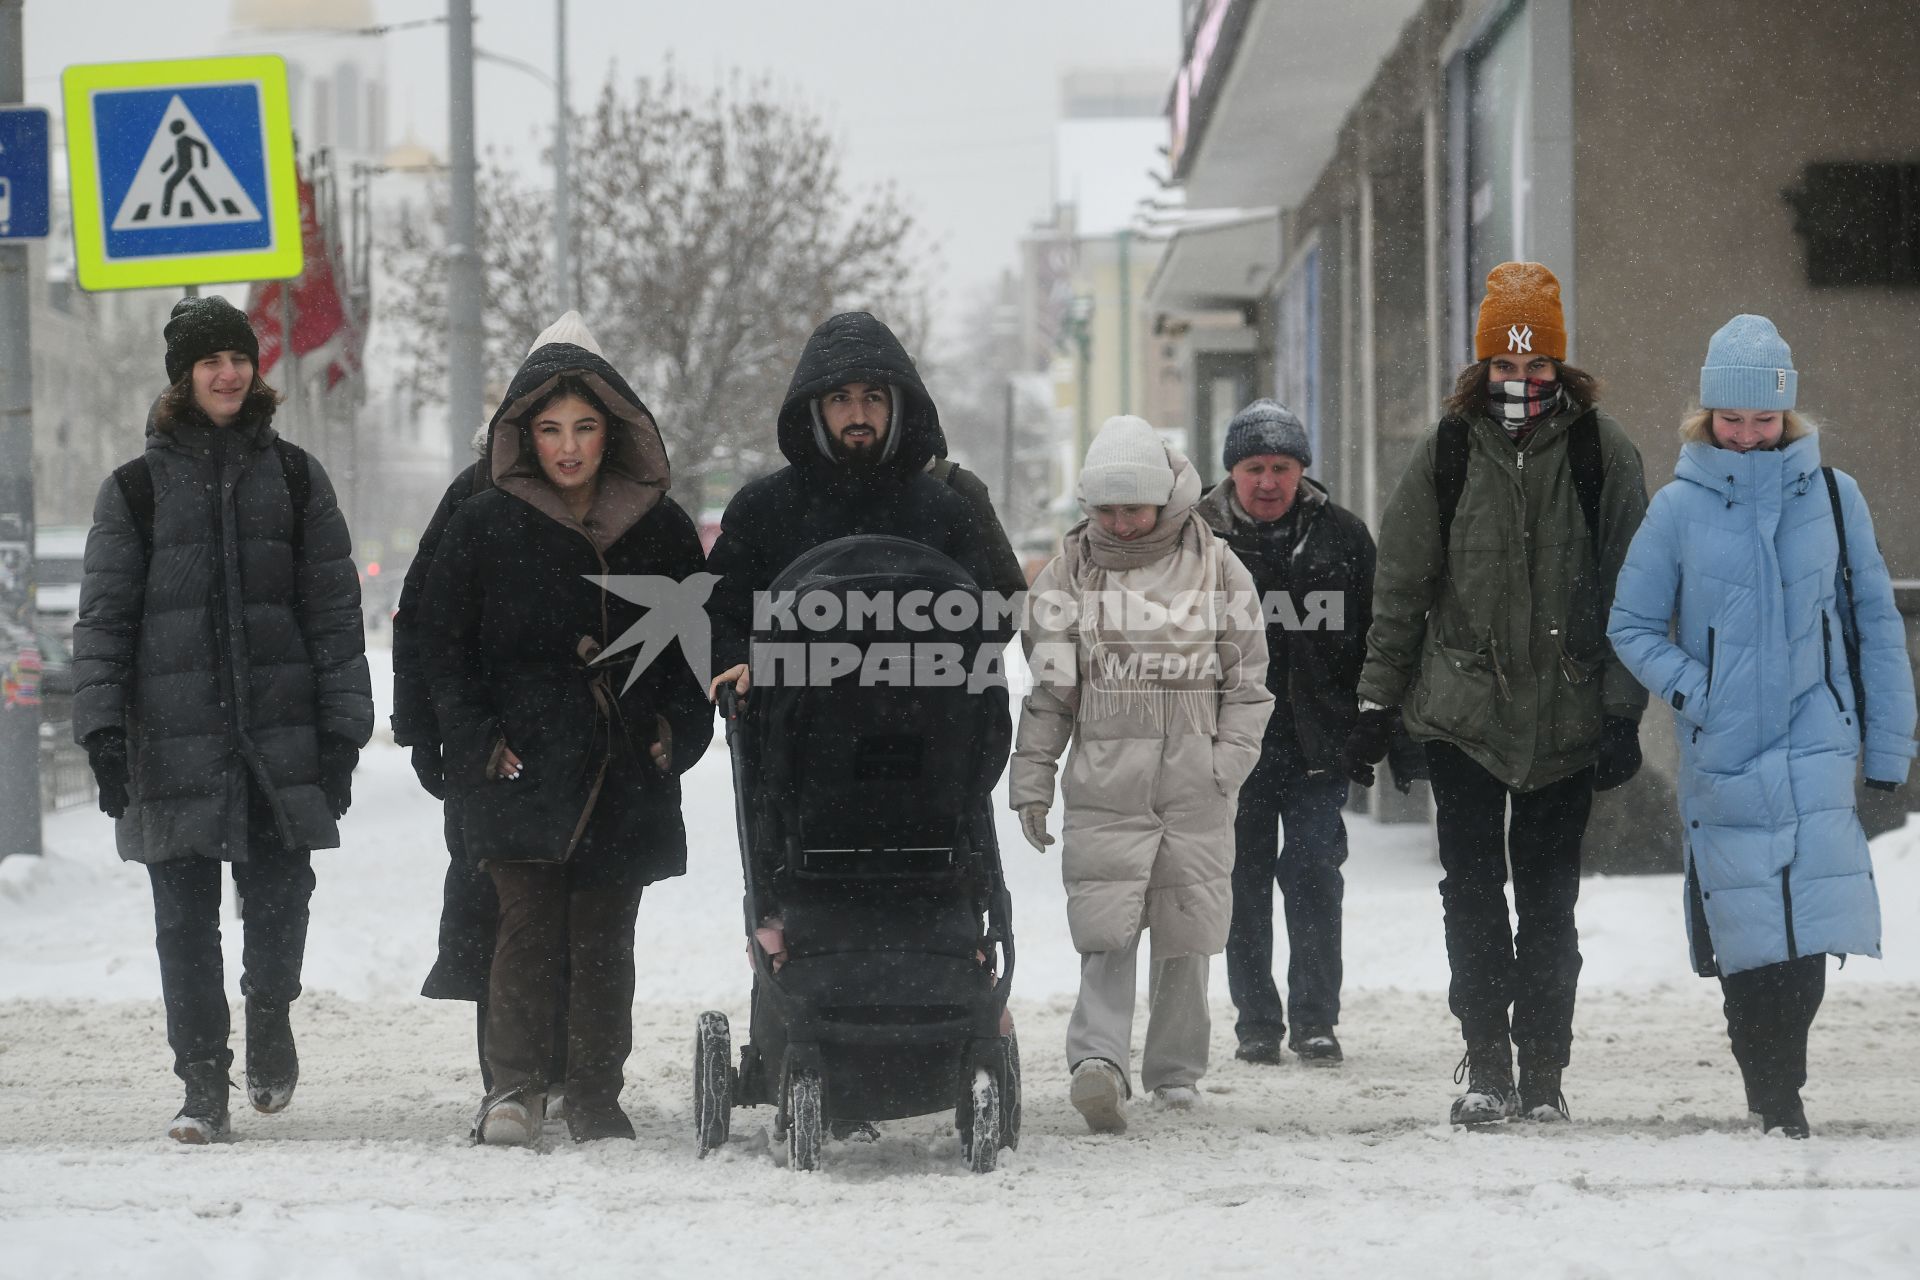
(1174, 570)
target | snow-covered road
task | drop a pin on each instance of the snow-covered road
(1281, 1171)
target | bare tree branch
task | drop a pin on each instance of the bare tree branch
(713, 230)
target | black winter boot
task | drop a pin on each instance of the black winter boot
(273, 1068)
(1261, 1047)
(1316, 1046)
(1540, 1096)
(1788, 1118)
(593, 1121)
(1487, 1070)
(203, 1116)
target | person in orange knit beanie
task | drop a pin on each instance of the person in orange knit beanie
(1496, 567)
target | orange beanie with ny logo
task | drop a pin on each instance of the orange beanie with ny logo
(1521, 313)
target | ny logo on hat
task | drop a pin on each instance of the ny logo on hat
(1520, 337)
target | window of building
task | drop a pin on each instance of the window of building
(1296, 358)
(347, 92)
(322, 112)
(1859, 223)
(1223, 385)
(1499, 122)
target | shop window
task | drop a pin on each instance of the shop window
(1296, 357)
(1499, 123)
(1859, 223)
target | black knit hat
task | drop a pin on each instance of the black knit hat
(201, 326)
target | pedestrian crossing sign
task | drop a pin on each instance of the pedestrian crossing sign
(182, 172)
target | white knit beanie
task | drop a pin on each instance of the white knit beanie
(569, 328)
(1126, 465)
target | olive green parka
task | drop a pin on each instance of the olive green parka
(1499, 644)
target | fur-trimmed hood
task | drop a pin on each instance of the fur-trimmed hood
(632, 478)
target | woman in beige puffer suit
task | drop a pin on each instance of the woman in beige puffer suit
(1157, 756)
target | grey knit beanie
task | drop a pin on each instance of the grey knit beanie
(1263, 427)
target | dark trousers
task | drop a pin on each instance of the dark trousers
(1769, 1013)
(1533, 969)
(1307, 869)
(274, 885)
(562, 930)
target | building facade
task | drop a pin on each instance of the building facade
(1673, 164)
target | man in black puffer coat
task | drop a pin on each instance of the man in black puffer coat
(858, 430)
(221, 691)
(1312, 561)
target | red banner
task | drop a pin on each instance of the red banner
(319, 316)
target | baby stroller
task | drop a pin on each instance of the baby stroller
(864, 823)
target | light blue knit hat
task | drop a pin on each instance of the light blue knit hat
(1749, 366)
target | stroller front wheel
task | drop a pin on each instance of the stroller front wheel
(804, 1126)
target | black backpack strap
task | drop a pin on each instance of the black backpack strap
(942, 469)
(1589, 473)
(1840, 531)
(1850, 631)
(1449, 473)
(136, 487)
(296, 468)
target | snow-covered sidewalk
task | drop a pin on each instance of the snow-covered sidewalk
(1282, 1170)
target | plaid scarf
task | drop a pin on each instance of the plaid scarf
(1522, 406)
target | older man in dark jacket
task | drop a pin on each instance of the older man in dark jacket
(1313, 563)
(221, 692)
(858, 430)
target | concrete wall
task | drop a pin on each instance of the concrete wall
(1690, 120)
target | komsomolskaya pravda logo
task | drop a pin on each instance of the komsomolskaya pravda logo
(677, 611)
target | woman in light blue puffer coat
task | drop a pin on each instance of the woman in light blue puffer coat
(1743, 551)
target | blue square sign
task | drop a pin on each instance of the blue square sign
(24, 169)
(182, 170)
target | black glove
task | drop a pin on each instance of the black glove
(337, 760)
(107, 754)
(427, 768)
(1881, 784)
(1372, 732)
(1619, 753)
(1406, 759)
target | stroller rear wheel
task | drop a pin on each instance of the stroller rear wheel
(1010, 1131)
(712, 1081)
(804, 1127)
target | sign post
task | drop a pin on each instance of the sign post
(23, 214)
(182, 172)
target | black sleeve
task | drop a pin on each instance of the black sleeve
(330, 620)
(450, 617)
(677, 693)
(974, 553)
(113, 596)
(1003, 571)
(413, 720)
(741, 564)
(1359, 593)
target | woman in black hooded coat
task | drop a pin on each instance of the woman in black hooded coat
(566, 769)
